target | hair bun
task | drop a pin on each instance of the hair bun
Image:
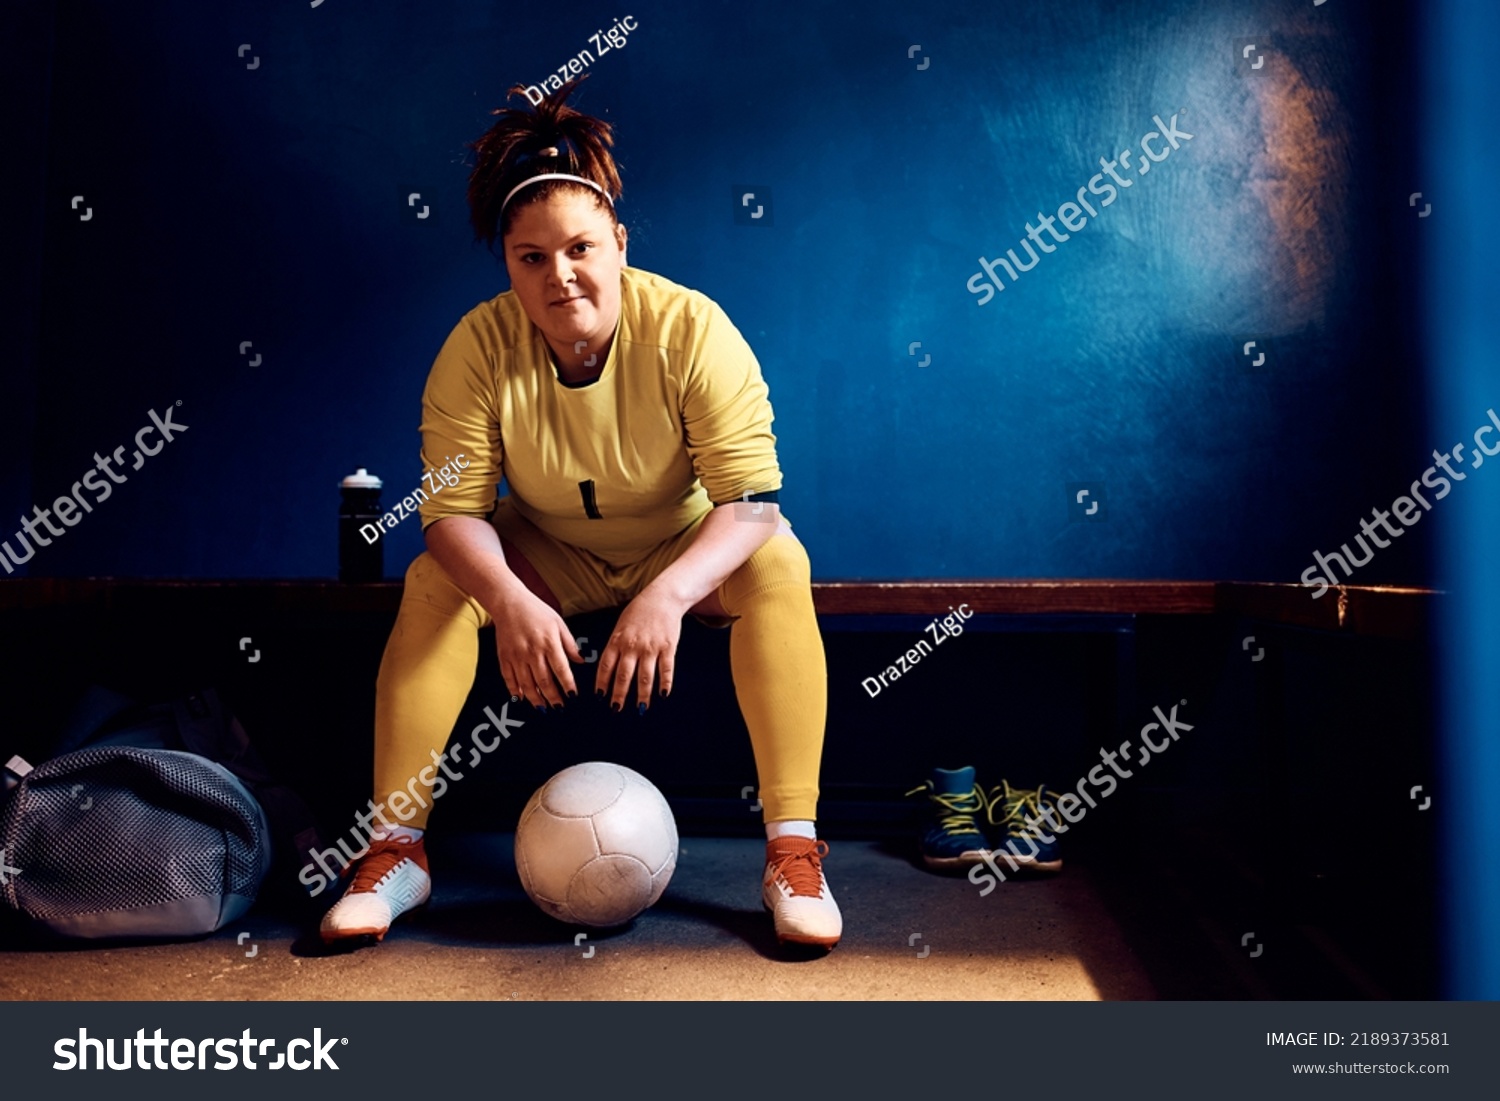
(549, 139)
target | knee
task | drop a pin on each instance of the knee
(780, 562)
(783, 558)
(420, 568)
(429, 587)
(424, 573)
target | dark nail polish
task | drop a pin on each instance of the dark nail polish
(640, 709)
(572, 695)
(663, 693)
(542, 708)
(614, 706)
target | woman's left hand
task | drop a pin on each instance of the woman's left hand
(642, 649)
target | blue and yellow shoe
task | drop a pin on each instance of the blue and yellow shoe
(1025, 817)
(954, 840)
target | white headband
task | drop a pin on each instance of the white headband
(554, 176)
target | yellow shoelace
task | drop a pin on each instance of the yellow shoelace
(960, 808)
(1016, 800)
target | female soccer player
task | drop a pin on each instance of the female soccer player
(629, 418)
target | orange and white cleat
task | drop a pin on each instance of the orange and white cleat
(389, 880)
(796, 892)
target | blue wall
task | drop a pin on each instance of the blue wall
(1461, 290)
(269, 205)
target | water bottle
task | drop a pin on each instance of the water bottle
(361, 558)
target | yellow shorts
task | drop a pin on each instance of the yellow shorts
(584, 582)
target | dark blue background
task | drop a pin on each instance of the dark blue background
(269, 205)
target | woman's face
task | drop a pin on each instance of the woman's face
(565, 257)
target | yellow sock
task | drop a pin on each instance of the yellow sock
(425, 678)
(780, 674)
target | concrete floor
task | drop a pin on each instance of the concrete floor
(708, 939)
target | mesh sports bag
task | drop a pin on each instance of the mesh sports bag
(118, 841)
(203, 724)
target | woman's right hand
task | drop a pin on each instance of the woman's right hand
(534, 642)
(535, 647)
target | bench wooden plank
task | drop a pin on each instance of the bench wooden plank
(1383, 611)
(1027, 597)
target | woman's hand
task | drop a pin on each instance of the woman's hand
(642, 648)
(535, 647)
(535, 644)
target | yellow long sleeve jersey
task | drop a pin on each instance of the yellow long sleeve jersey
(678, 421)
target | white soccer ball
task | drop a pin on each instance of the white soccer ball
(596, 844)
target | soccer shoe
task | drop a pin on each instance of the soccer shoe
(796, 892)
(389, 880)
(954, 840)
(1025, 817)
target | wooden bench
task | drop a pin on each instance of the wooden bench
(1110, 611)
(1370, 610)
